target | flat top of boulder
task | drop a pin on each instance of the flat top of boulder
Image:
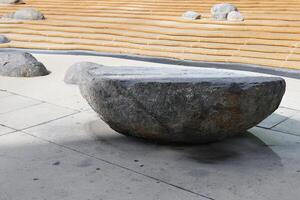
(74, 73)
(175, 74)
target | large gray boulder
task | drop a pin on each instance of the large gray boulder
(75, 72)
(26, 14)
(11, 2)
(220, 11)
(20, 64)
(3, 39)
(180, 104)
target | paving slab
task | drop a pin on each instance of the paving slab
(34, 115)
(292, 125)
(4, 94)
(14, 102)
(261, 165)
(280, 115)
(292, 95)
(35, 169)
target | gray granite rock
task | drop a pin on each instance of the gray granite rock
(11, 2)
(191, 15)
(3, 39)
(20, 64)
(74, 73)
(25, 14)
(180, 104)
(235, 16)
(220, 11)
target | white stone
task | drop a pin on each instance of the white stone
(191, 15)
(26, 14)
(235, 16)
(220, 11)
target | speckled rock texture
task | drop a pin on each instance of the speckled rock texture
(74, 73)
(3, 39)
(220, 11)
(26, 14)
(181, 104)
(191, 15)
(11, 2)
(20, 64)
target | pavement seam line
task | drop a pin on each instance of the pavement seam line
(25, 107)
(42, 101)
(46, 122)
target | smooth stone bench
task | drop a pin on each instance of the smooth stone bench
(180, 104)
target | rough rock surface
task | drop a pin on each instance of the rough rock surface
(20, 64)
(235, 16)
(220, 11)
(11, 2)
(3, 39)
(192, 15)
(26, 14)
(180, 104)
(74, 73)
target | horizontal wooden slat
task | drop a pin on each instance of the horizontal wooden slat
(269, 36)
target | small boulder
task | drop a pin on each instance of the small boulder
(220, 11)
(20, 64)
(11, 2)
(3, 39)
(75, 72)
(191, 15)
(26, 14)
(235, 16)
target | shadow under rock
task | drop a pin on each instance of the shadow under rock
(245, 150)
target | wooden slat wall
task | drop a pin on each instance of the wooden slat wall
(269, 36)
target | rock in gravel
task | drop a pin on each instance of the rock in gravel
(220, 11)
(26, 14)
(235, 16)
(191, 15)
(181, 104)
(74, 73)
(3, 39)
(11, 2)
(20, 64)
